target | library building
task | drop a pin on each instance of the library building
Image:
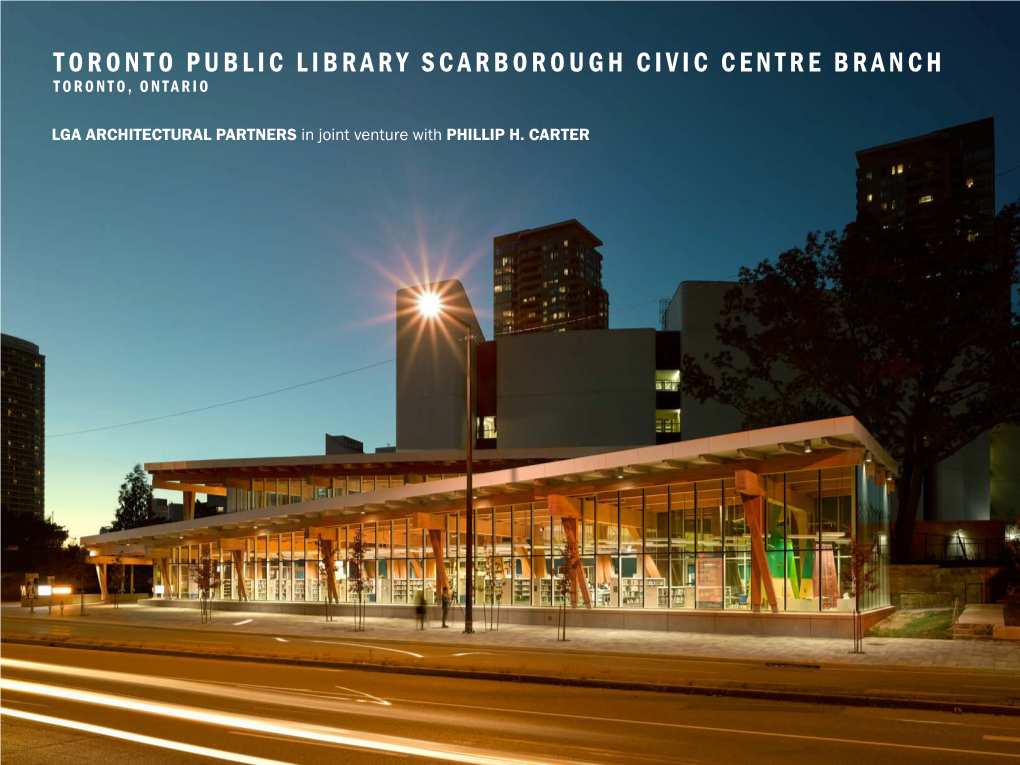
(745, 533)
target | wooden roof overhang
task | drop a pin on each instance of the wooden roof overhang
(834, 443)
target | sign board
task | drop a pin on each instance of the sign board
(708, 580)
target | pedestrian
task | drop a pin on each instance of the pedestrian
(446, 604)
(420, 610)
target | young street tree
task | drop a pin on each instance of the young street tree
(206, 579)
(859, 577)
(134, 503)
(914, 336)
(357, 579)
(115, 581)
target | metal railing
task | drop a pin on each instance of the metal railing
(958, 549)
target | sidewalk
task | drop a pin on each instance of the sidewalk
(898, 652)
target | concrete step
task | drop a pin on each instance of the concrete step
(971, 631)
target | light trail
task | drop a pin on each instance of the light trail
(139, 738)
(300, 731)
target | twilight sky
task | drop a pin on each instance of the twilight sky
(159, 277)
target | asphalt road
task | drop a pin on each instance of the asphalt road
(62, 704)
(236, 634)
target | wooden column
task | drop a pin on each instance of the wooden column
(237, 558)
(436, 538)
(164, 570)
(329, 561)
(101, 575)
(753, 497)
(189, 505)
(576, 568)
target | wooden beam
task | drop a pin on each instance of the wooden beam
(159, 483)
(838, 443)
(792, 448)
(714, 459)
(751, 454)
(746, 482)
(132, 560)
(680, 464)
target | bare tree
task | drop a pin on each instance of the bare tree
(859, 577)
(357, 578)
(115, 581)
(207, 578)
(565, 585)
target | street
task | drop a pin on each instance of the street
(952, 672)
(91, 706)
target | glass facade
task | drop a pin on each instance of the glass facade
(675, 546)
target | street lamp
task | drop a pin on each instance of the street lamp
(430, 306)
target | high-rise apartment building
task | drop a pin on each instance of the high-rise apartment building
(915, 182)
(548, 279)
(23, 387)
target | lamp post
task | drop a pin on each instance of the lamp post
(431, 307)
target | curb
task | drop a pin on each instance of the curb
(838, 665)
(803, 697)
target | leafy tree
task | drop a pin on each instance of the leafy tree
(910, 332)
(31, 543)
(134, 503)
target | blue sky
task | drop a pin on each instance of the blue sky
(158, 277)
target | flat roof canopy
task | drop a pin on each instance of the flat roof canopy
(219, 472)
(834, 442)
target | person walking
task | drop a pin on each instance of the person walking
(446, 605)
(419, 610)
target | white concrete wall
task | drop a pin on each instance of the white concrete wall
(431, 386)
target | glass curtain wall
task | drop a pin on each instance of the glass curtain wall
(681, 546)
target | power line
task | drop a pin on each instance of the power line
(287, 388)
(223, 403)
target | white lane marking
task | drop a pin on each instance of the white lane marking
(281, 640)
(770, 734)
(293, 730)
(474, 653)
(365, 645)
(138, 738)
(1012, 739)
(368, 696)
(246, 621)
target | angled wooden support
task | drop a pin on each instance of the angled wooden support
(760, 574)
(189, 505)
(329, 561)
(237, 558)
(101, 575)
(436, 539)
(164, 572)
(563, 507)
(574, 562)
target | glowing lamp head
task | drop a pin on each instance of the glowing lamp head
(429, 305)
